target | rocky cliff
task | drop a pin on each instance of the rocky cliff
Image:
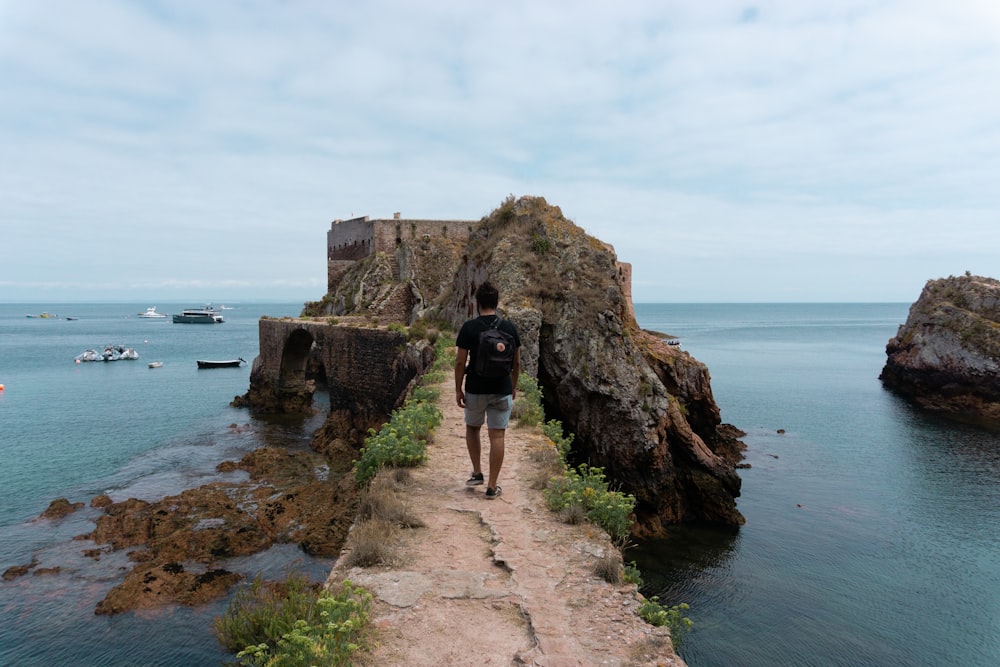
(641, 409)
(946, 356)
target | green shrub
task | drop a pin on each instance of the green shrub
(540, 245)
(262, 614)
(656, 614)
(553, 430)
(527, 408)
(339, 631)
(632, 574)
(444, 354)
(422, 393)
(402, 442)
(586, 487)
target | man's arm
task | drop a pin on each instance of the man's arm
(461, 357)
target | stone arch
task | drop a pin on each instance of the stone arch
(294, 361)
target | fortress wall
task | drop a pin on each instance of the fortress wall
(350, 239)
(391, 233)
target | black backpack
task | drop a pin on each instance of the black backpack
(495, 354)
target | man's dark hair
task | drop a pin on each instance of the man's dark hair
(487, 296)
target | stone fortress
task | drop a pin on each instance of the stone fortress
(347, 241)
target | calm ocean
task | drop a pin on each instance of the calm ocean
(873, 531)
(78, 430)
(871, 535)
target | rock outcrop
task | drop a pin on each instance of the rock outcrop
(946, 356)
(641, 409)
(178, 543)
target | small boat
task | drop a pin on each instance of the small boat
(152, 314)
(110, 353)
(155, 364)
(119, 353)
(88, 355)
(226, 363)
(206, 315)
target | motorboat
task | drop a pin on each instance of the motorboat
(119, 353)
(152, 314)
(206, 315)
(88, 355)
(110, 353)
(155, 364)
(226, 363)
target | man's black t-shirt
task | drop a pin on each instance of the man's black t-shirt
(468, 339)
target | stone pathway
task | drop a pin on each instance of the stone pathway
(499, 582)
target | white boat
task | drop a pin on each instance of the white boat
(155, 364)
(119, 353)
(206, 315)
(152, 314)
(110, 353)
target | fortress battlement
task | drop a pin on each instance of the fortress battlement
(361, 237)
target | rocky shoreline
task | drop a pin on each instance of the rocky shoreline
(177, 543)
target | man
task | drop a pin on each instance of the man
(485, 399)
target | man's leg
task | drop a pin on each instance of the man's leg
(496, 454)
(474, 445)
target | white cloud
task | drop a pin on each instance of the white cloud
(726, 140)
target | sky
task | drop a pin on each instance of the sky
(775, 151)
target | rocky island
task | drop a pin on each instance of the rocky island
(946, 357)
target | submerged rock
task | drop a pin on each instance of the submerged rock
(946, 356)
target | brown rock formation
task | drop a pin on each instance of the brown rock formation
(177, 542)
(642, 410)
(59, 508)
(946, 356)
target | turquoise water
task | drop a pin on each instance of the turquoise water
(78, 430)
(871, 535)
(873, 530)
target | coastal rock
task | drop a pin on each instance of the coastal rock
(946, 357)
(641, 409)
(15, 571)
(178, 542)
(59, 508)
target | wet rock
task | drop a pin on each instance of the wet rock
(15, 571)
(177, 542)
(59, 508)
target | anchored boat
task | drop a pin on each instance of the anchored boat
(225, 363)
(206, 315)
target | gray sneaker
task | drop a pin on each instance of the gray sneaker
(493, 493)
(475, 480)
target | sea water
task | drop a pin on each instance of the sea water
(871, 539)
(120, 428)
(872, 533)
